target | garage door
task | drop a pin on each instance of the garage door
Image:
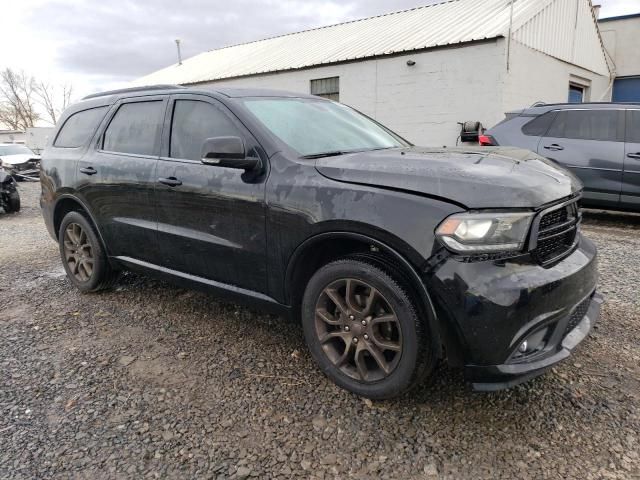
(626, 89)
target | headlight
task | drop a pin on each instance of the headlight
(485, 232)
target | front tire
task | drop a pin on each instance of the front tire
(362, 328)
(83, 255)
(12, 204)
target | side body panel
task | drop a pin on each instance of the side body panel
(598, 164)
(59, 166)
(630, 195)
(212, 225)
(302, 203)
(118, 189)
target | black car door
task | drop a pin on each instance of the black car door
(117, 177)
(211, 219)
(630, 197)
(590, 143)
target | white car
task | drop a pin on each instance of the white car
(19, 161)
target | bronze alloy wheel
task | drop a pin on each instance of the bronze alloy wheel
(78, 252)
(358, 330)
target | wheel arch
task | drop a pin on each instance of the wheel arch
(70, 203)
(304, 262)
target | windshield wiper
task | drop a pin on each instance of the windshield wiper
(324, 154)
(335, 153)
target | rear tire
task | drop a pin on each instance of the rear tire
(362, 328)
(83, 255)
(13, 202)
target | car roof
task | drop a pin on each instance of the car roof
(541, 108)
(177, 89)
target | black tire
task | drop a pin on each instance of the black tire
(102, 275)
(417, 358)
(13, 202)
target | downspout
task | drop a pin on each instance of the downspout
(509, 36)
(612, 74)
(611, 64)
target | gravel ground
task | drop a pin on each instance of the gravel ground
(153, 381)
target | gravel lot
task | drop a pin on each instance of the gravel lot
(150, 380)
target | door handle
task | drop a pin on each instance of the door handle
(88, 171)
(554, 147)
(633, 155)
(170, 181)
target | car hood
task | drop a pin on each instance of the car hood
(486, 177)
(18, 159)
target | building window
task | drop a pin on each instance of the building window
(576, 93)
(327, 88)
(626, 90)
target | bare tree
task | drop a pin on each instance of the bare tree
(17, 100)
(53, 99)
(9, 117)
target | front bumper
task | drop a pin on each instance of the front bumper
(25, 171)
(491, 308)
(498, 377)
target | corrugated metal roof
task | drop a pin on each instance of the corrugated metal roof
(565, 29)
(440, 24)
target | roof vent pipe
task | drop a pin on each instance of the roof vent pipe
(179, 55)
(596, 11)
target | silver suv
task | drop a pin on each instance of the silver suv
(599, 142)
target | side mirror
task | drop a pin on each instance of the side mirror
(227, 152)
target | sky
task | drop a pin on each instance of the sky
(100, 45)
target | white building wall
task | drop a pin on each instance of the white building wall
(536, 77)
(422, 102)
(36, 138)
(11, 136)
(622, 40)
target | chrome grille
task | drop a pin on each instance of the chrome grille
(556, 232)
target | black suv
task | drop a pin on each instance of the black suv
(392, 256)
(599, 142)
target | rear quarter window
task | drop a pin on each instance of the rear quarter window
(539, 125)
(79, 128)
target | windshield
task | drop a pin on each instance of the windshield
(14, 150)
(314, 127)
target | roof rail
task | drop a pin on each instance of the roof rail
(132, 90)
(542, 104)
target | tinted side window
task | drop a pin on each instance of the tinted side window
(539, 125)
(193, 122)
(79, 127)
(135, 128)
(633, 126)
(602, 125)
